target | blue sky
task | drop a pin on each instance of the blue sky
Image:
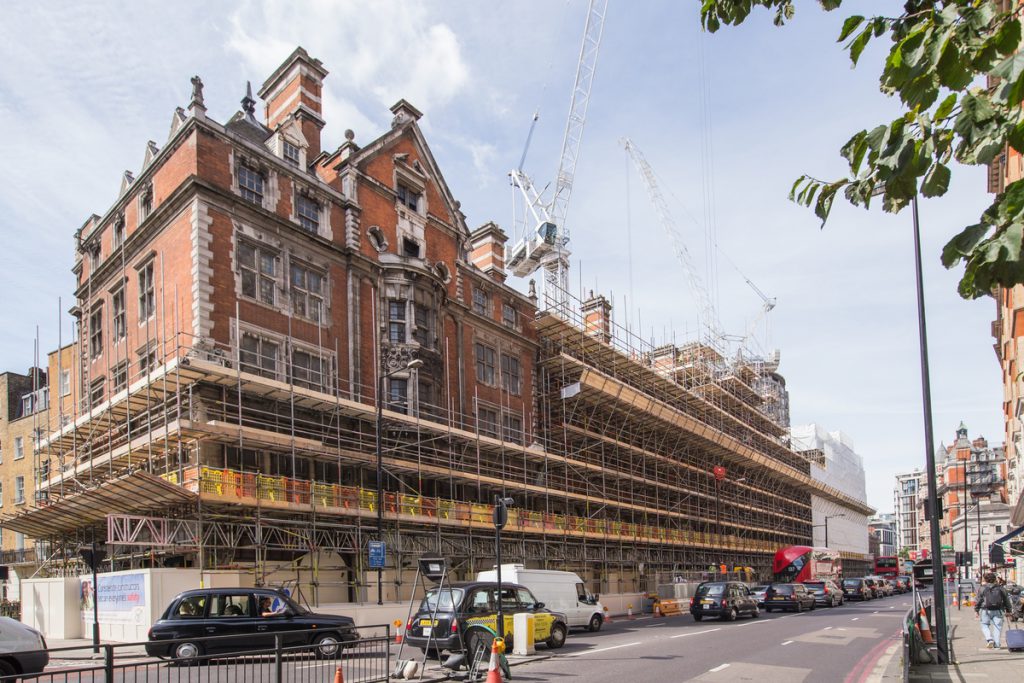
(86, 84)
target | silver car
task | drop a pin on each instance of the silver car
(22, 649)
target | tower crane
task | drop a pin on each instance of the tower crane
(707, 315)
(545, 237)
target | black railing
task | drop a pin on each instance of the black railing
(18, 556)
(278, 658)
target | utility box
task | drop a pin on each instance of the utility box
(522, 627)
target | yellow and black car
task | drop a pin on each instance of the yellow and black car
(446, 618)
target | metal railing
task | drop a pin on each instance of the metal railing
(280, 660)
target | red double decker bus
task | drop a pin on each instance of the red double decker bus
(887, 566)
(799, 563)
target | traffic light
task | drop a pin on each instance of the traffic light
(996, 555)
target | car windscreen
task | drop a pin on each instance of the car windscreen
(713, 589)
(295, 607)
(851, 583)
(441, 601)
(758, 589)
(814, 584)
(783, 590)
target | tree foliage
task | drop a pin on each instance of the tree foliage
(957, 68)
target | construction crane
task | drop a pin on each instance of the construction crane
(707, 316)
(767, 304)
(545, 235)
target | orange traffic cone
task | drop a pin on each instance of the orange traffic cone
(629, 613)
(607, 616)
(493, 670)
(398, 631)
(338, 676)
(926, 631)
(657, 610)
(956, 603)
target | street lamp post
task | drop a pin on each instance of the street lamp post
(963, 558)
(929, 446)
(381, 376)
(501, 506)
(827, 517)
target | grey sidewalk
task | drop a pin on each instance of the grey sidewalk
(972, 659)
(83, 649)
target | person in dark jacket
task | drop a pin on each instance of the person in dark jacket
(990, 607)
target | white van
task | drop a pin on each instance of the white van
(559, 591)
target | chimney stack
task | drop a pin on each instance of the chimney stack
(488, 250)
(597, 317)
(295, 90)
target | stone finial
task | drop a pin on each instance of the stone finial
(197, 93)
(248, 103)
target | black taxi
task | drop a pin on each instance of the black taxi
(244, 619)
(445, 618)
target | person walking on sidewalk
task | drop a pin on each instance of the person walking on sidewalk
(989, 608)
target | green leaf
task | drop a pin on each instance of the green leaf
(849, 26)
(961, 246)
(945, 107)
(936, 181)
(858, 44)
(952, 68)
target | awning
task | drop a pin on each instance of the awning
(133, 493)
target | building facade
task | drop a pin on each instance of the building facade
(905, 504)
(883, 529)
(285, 353)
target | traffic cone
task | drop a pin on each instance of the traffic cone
(607, 616)
(972, 600)
(657, 610)
(398, 631)
(493, 670)
(926, 631)
(956, 603)
(629, 613)
(338, 676)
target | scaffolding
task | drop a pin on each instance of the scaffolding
(200, 460)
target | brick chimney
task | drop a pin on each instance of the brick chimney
(597, 317)
(295, 89)
(488, 250)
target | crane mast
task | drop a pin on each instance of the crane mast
(545, 239)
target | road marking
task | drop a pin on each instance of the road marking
(696, 633)
(826, 628)
(717, 668)
(653, 625)
(875, 612)
(604, 649)
(787, 642)
(855, 619)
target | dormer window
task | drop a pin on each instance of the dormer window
(408, 197)
(250, 184)
(308, 211)
(290, 153)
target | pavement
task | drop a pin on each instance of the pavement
(82, 649)
(972, 660)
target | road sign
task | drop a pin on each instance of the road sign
(378, 554)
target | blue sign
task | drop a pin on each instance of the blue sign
(378, 554)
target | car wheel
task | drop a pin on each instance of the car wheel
(595, 623)
(814, 605)
(187, 651)
(756, 613)
(327, 645)
(475, 639)
(698, 617)
(799, 606)
(6, 669)
(730, 615)
(557, 637)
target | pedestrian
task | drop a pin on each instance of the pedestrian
(989, 608)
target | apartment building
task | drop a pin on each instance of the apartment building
(909, 486)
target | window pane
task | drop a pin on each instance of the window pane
(246, 255)
(249, 283)
(267, 291)
(266, 263)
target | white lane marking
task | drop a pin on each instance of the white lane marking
(855, 619)
(717, 668)
(603, 649)
(653, 625)
(826, 628)
(696, 633)
(892, 606)
(787, 642)
(751, 623)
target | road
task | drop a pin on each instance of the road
(837, 644)
(826, 644)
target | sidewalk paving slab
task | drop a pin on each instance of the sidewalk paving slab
(971, 658)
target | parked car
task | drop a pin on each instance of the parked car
(446, 617)
(825, 593)
(22, 649)
(794, 596)
(560, 591)
(905, 582)
(757, 592)
(882, 589)
(856, 589)
(723, 599)
(894, 586)
(254, 616)
(876, 590)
